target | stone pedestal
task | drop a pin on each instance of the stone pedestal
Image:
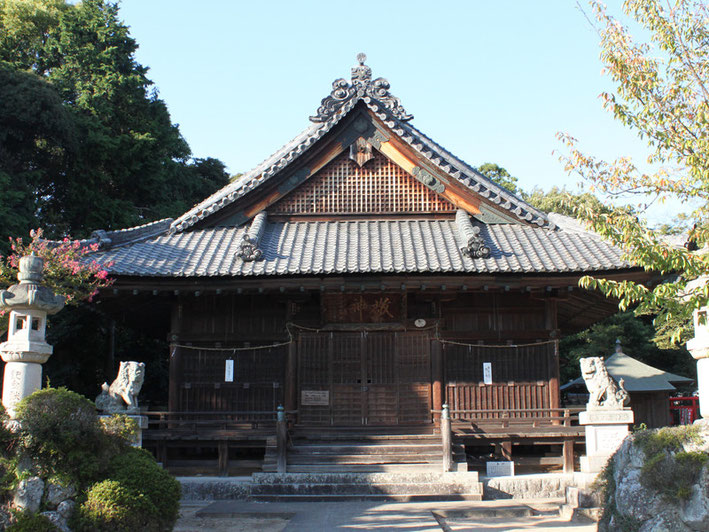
(605, 431)
(21, 379)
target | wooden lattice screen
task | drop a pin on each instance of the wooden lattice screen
(378, 187)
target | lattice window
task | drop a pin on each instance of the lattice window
(379, 187)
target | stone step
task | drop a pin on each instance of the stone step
(381, 497)
(394, 488)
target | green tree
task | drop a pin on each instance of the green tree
(563, 201)
(37, 137)
(130, 163)
(500, 176)
(636, 336)
(661, 93)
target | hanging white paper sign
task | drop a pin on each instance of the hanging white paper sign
(487, 372)
(229, 371)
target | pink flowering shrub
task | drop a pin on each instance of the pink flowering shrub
(67, 269)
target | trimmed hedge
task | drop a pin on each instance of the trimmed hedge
(111, 507)
(61, 433)
(136, 469)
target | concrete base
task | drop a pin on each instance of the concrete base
(593, 464)
(21, 379)
(605, 432)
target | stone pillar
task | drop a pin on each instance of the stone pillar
(605, 431)
(26, 349)
(699, 348)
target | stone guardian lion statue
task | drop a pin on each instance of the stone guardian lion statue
(122, 395)
(604, 391)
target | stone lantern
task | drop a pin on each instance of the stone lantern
(26, 349)
(699, 348)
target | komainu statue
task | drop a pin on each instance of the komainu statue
(122, 395)
(604, 391)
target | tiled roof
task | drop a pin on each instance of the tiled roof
(637, 376)
(362, 246)
(387, 108)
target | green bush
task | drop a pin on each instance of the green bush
(112, 507)
(666, 439)
(136, 469)
(29, 522)
(121, 427)
(61, 432)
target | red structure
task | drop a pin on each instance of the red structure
(684, 410)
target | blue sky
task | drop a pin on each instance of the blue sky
(492, 81)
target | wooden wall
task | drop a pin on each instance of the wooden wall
(524, 361)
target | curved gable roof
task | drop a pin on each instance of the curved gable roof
(334, 107)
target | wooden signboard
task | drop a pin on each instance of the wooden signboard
(314, 397)
(362, 308)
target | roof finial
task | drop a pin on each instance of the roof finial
(361, 74)
(618, 347)
(375, 93)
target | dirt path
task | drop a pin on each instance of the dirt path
(189, 522)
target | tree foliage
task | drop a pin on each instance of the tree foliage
(636, 336)
(661, 93)
(87, 141)
(67, 271)
(499, 175)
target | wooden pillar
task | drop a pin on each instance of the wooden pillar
(437, 388)
(175, 362)
(568, 455)
(223, 458)
(291, 385)
(109, 369)
(550, 311)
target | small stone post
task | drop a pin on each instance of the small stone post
(446, 439)
(699, 349)
(281, 439)
(26, 348)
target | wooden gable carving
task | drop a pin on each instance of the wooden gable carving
(378, 186)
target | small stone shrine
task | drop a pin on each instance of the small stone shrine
(607, 414)
(26, 349)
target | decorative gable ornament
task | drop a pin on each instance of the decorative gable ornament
(249, 247)
(474, 247)
(361, 151)
(362, 87)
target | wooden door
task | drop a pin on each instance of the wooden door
(347, 394)
(380, 378)
(364, 378)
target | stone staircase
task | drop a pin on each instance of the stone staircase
(371, 464)
(397, 486)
